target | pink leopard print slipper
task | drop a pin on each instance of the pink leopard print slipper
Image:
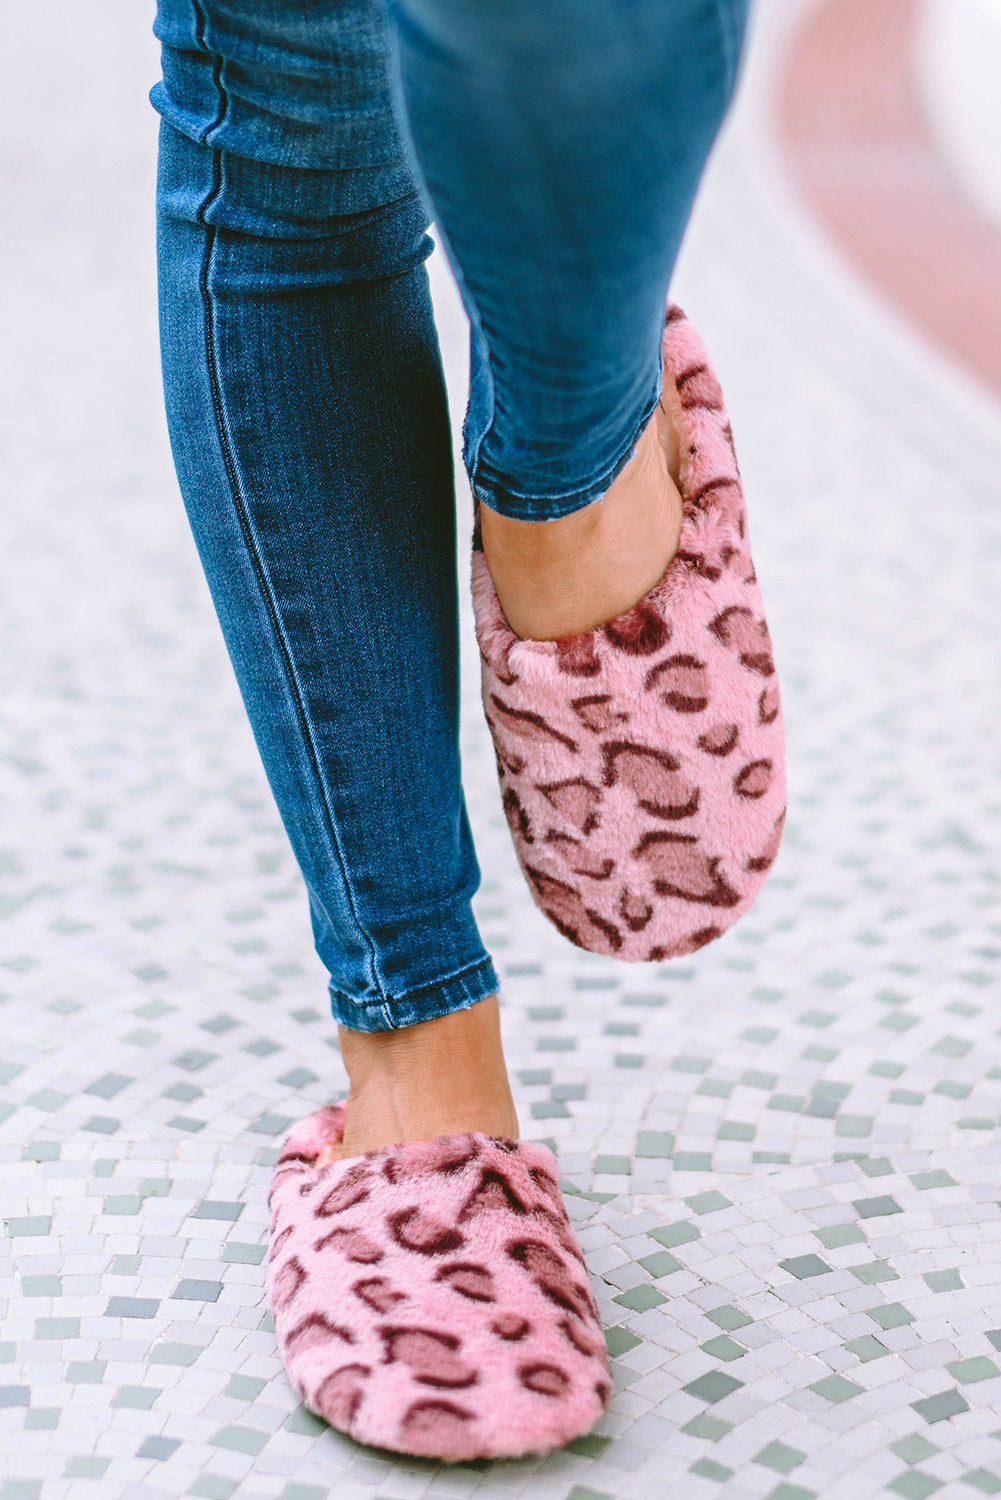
(431, 1298)
(642, 764)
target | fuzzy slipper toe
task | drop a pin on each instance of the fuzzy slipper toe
(431, 1298)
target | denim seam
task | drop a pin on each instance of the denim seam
(267, 595)
(580, 497)
(201, 27)
(386, 1008)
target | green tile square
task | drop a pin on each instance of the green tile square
(785, 1491)
(295, 1490)
(693, 1161)
(835, 1388)
(620, 1341)
(173, 1354)
(591, 1445)
(760, 1034)
(244, 1387)
(754, 1078)
(708, 1427)
(712, 1386)
(213, 1487)
(817, 1018)
(722, 1347)
(41, 1286)
(20, 1489)
(715, 1088)
(866, 1348)
(779, 1456)
(31, 1225)
(691, 1064)
(47, 1100)
(57, 1328)
(654, 1143)
(615, 1165)
(304, 1424)
(243, 1255)
(708, 1203)
(86, 1371)
(679, 1233)
(906, 1096)
(873, 1272)
(41, 1151)
(789, 1103)
(952, 1046)
(952, 1090)
(42, 1419)
(124, 1265)
(876, 1166)
(816, 1053)
(899, 1020)
(780, 1158)
(640, 1298)
(240, 1439)
(833, 1236)
(983, 1480)
(708, 1468)
(549, 1109)
(941, 1406)
(803, 1266)
(661, 1263)
(135, 1397)
(967, 1371)
(86, 1467)
(585, 1492)
(914, 1485)
(132, 1307)
(876, 1208)
(854, 1125)
(893, 1315)
(733, 1130)
(729, 1318)
(935, 1179)
(913, 1448)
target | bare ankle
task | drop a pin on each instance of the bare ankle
(436, 1077)
(558, 578)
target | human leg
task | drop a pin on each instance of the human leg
(562, 144)
(564, 195)
(308, 423)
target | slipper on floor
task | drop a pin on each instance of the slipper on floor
(431, 1298)
(642, 764)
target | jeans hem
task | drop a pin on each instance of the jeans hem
(456, 992)
(498, 496)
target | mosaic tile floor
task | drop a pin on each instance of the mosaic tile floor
(782, 1154)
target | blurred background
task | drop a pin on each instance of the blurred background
(782, 1153)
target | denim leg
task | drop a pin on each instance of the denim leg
(561, 144)
(307, 417)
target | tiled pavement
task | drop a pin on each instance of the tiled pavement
(782, 1153)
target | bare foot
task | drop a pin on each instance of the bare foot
(556, 578)
(438, 1077)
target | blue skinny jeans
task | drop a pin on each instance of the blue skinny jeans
(305, 145)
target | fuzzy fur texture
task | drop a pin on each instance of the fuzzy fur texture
(642, 764)
(432, 1298)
